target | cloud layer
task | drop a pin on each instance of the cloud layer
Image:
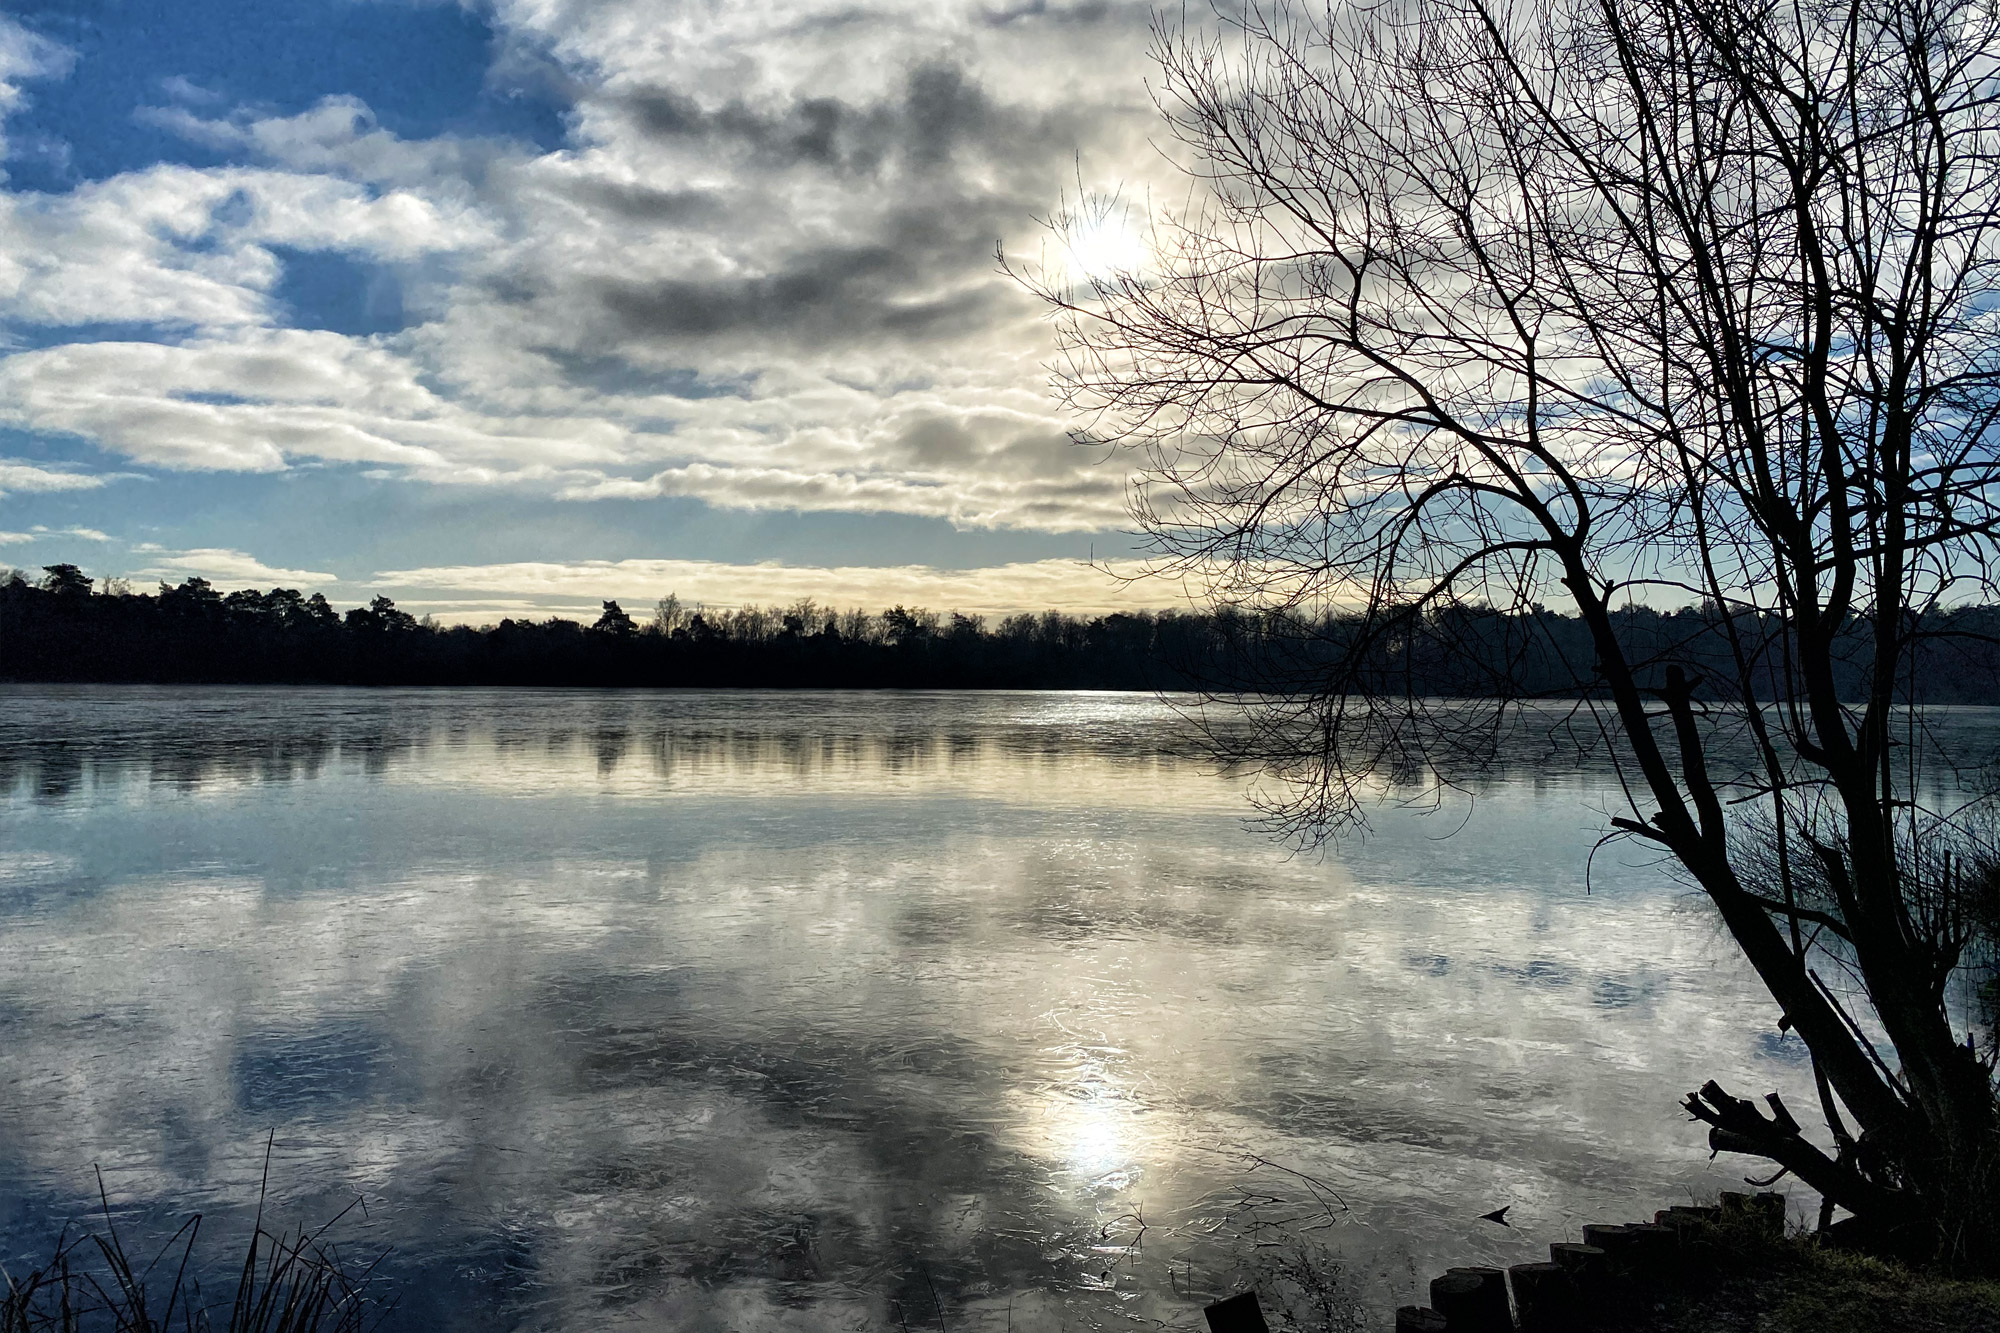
(231, 569)
(490, 592)
(18, 476)
(759, 271)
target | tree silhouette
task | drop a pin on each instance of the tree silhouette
(380, 616)
(1491, 308)
(614, 621)
(66, 581)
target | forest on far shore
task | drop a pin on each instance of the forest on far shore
(63, 627)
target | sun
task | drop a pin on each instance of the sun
(1102, 244)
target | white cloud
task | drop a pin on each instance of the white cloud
(1061, 585)
(338, 136)
(41, 533)
(1077, 503)
(230, 568)
(183, 89)
(260, 400)
(185, 248)
(32, 478)
(253, 401)
(42, 530)
(25, 56)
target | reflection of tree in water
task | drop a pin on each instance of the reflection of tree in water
(182, 739)
(611, 743)
(188, 753)
(58, 770)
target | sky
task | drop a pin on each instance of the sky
(503, 308)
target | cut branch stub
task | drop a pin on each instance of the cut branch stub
(1738, 1126)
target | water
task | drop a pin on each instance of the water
(746, 1011)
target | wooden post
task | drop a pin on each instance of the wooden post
(1769, 1209)
(1684, 1217)
(1544, 1298)
(1577, 1260)
(1473, 1300)
(1589, 1270)
(1239, 1314)
(1651, 1250)
(1611, 1237)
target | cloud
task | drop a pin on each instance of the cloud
(190, 250)
(263, 400)
(759, 273)
(1069, 504)
(1061, 585)
(87, 534)
(230, 568)
(340, 136)
(183, 89)
(24, 57)
(39, 533)
(255, 401)
(21, 477)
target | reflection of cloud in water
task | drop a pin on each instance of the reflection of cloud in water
(854, 989)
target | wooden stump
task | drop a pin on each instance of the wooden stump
(1239, 1314)
(1544, 1298)
(1589, 1270)
(1611, 1237)
(1572, 1258)
(1686, 1215)
(1473, 1300)
(1766, 1211)
(1651, 1250)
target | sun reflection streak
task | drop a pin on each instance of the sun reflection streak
(1091, 1124)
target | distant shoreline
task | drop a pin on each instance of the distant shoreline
(63, 630)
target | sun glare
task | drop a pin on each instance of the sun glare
(1104, 245)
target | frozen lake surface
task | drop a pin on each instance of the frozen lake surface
(745, 1011)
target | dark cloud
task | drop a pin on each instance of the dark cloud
(852, 289)
(987, 441)
(935, 441)
(941, 111)
(642, 203)
(613, 374)
(929, 174)
(920, 268)
(1089, 12)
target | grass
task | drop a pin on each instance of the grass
(1739, 1278)
(287, 1282)
(1797, 1284)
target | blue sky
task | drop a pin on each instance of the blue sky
(512, 306)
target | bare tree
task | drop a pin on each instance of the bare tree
(669, 614)
(1492, 304)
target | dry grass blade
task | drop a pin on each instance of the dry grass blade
(287, 1283)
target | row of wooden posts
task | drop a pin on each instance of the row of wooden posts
(1582, 1286)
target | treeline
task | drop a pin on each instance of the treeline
(62, 627)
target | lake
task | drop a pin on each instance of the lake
(714, 1010)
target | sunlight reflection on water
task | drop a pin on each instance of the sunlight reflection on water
(731, 1010)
